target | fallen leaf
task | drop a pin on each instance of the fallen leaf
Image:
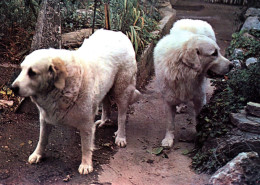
(67, 179)
(185, 152)
(22, 144)
(107, 144)
(156, 151)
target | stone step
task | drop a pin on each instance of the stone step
(253, 108)
(237, 171)
(245, 122)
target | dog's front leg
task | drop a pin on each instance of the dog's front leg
(38, 153)
(170, 111)
(199, 102)
(87, 146)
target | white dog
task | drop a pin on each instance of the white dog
(181, 61)
(67, 87)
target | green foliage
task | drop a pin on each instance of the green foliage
(209, 161)
(134, 18)
(247, 41)
(17, 13)
(72, 19)
(230, 96)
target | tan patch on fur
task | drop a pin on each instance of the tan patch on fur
(60, 72)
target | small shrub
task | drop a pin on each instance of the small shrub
(136, 19)
(249, 44)
(230, 96)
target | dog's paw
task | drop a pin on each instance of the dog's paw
(34, 158)
(167, 142)
(85, 169)
(121, 142)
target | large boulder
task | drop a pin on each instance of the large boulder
(251, 12)
(251, 23)
(251, 60)
(243, 169)
(253, 108)
(245, 122)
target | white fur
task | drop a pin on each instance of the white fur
(195, 26)
(68, 86)
(181, 60)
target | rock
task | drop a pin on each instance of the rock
(237, 64)
(251, 12)
(76, 38)
(238, 52)
(230, 145)
(253, 108)
(251, 23)
(246, 123)
(251, 60)
(238, 171)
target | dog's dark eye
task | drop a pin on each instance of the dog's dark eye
(31, 73)
(215, 54)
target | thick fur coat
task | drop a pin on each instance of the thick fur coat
(68, 86)
(181, 61)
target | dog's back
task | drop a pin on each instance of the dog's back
(108, 46)
(195, 26)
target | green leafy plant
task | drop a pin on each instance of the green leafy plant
(230, 96)
(133, 17)
(245, 40)
(130, 17)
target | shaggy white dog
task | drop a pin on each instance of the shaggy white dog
(67, 87)
(181, 61)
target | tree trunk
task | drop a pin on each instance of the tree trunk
(47, 35)
(48, 27)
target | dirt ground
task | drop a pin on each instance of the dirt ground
(134, 164)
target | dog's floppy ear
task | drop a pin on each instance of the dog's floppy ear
(190, 57)
(60, 73)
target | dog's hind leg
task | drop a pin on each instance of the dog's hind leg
(123, 93)
(106, 106)
(170, 111)
(38, 153)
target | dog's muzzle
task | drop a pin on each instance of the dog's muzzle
(15, 89)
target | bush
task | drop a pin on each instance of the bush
(18, 13)
(134, 18)
(231, 95)
(245, 40)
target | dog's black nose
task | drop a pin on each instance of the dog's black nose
(15, 89)
(231, 66)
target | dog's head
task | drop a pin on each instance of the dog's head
(40, 73)
(202, 54)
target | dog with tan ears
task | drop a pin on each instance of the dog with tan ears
(68, 86)
(181, 61)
